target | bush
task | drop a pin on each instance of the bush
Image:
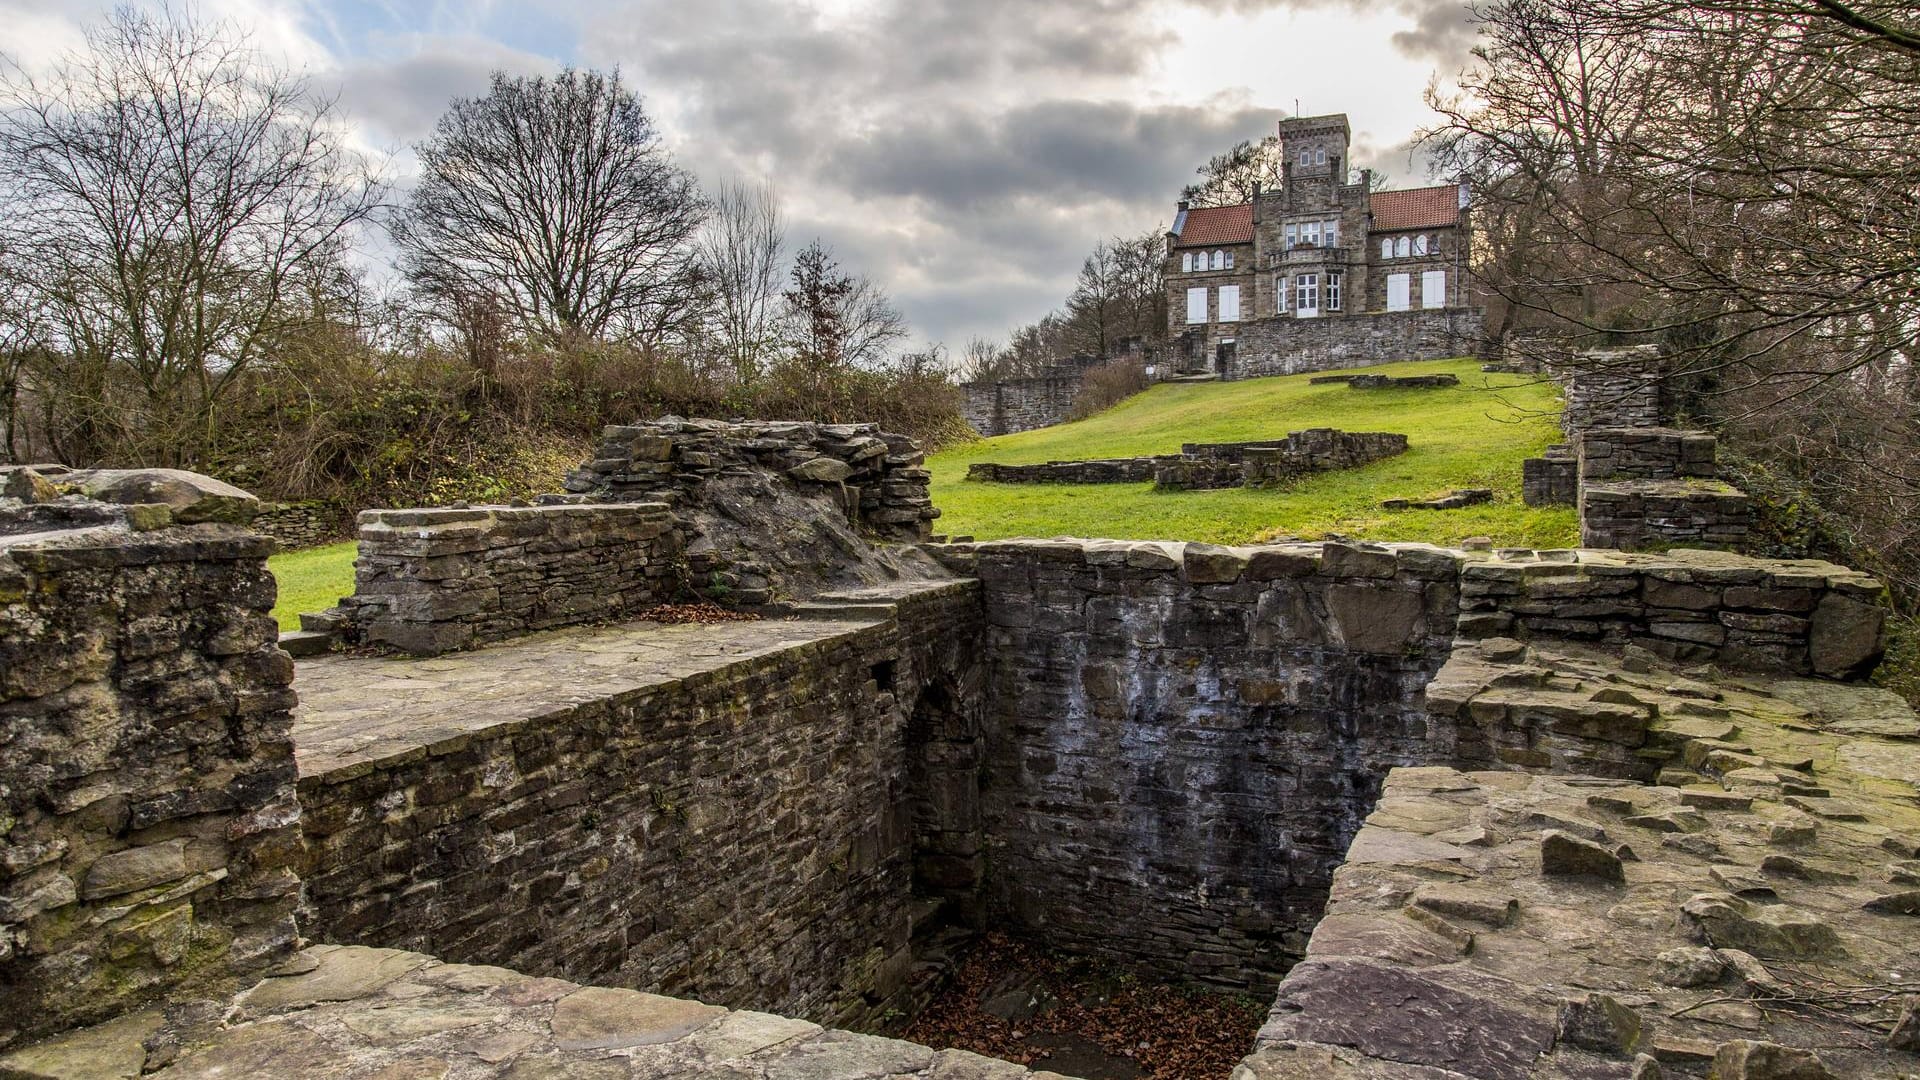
(1108, 385)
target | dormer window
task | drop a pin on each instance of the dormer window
(1186, 262)
(1402, 247)
(1386, 247)
(1420, 244)
(1229, 260)
(1219, 260)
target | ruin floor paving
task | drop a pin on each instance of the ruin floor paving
(358, 710)
(355, 1012)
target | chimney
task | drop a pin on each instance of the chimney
(1256, 202)
(1184, 203)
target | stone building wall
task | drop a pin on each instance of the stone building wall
(148, 826)
(1291, 346)
(744, 835)
(431, 581)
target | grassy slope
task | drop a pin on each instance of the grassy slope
(1473, 435)
(311, 580)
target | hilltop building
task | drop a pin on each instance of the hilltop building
(1322, 272)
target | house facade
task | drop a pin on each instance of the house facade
(1321, 272)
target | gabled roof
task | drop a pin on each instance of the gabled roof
(1209, 225)
(1416, 208)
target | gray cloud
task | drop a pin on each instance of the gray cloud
(399, 100)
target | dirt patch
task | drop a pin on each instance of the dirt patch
(1015, 1000)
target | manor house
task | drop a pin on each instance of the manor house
(1320, 273)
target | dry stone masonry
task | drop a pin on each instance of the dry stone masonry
(1647, 487)
(148, 830)
(431, 581)
(1510, 814)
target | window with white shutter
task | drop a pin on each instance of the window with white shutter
(1433, 289)
(1229, 303)
(1399, 292)
(1196, 305)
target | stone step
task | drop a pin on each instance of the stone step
(306, 642)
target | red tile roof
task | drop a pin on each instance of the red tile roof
(1217, 225)
(1416, 208)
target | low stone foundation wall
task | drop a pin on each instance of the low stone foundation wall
(1010, 405)
(1134, 470)
(431, 581)
(148, 828)
(1407, 382)
(1267, 463)
(1796, 616)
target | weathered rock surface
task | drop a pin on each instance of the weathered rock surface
(362, 1013)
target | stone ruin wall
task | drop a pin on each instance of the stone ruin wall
(304, 524)
(1180, 741)
(1263, 463)
(746, 836)
(431, 581)
(148, 831)
(1291, 346)
(1010, 405)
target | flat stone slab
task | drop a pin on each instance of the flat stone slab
(358, 710)
(341, 1013)
(1715, 936)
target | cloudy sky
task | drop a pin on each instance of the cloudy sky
(964, 153)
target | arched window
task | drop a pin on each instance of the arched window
(1229, 260)
(1319, 157)
(1186, 262)
(1420, 244)
(1219, 260)
(1386, 247)
(1402, 247)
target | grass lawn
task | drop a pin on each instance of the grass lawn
(1472, 435)
(312, 579)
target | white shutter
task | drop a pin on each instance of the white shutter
(1399, 292)
(1229, 303)
(1433, 289)
(1196, 305)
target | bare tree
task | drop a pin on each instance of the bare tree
(741, 250)
(556, 198)
(1739, 182)
(1230, 178)
(1094, 305)
(835, 320)
(167, 187)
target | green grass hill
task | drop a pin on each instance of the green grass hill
(1472, 435)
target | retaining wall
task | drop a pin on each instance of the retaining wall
(1291, 346)
(302, 524)
(743, 834)
(148, 828)
(1010, 405)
